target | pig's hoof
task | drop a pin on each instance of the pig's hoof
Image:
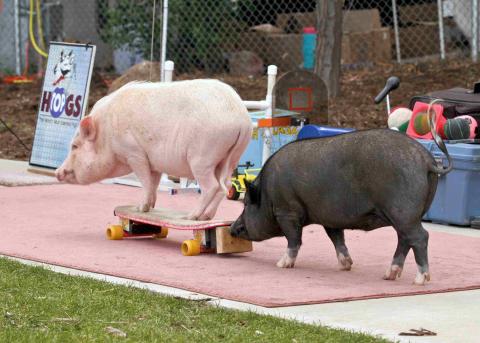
(345, 262)
(393, 272)
(144, 208)
(421, 278)
(192, 216)
(204, 217)
(286, 262)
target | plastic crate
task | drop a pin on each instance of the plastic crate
(457, 200)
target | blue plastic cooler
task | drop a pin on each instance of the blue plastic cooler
(457, 200)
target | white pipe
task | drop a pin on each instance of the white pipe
(440, 29)
(164, 40)
(474, 30)
(256, 105)
(397, 35)
(267, 142)
(272, 75)
(266, 104)
(17, 36)
(169, 66)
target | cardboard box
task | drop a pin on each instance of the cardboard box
(418, 13)
(364, 39)
(361, 20)
(367, 47)
(419, 40)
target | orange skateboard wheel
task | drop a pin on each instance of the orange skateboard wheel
(191, 247)
(115, 232)
(163, 233)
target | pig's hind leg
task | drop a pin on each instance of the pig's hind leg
(410, 237)
(394, 271)
(292, 229)
(337, 237)
(223, 175)
(210, 187)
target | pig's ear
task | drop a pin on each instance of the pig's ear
(87, 128)
(253, 193)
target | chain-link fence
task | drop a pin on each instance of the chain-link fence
(240, 37)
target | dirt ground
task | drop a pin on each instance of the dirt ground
(353, 108)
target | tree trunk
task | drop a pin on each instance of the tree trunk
(329, 44)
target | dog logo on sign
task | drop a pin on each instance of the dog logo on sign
(65, 68)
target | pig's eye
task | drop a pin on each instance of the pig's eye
(74, 146)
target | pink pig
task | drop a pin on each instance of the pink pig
(196, 129)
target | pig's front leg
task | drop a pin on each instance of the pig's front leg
(149, 179)
(293, 233)
(338, 239)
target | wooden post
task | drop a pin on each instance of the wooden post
(329, 44)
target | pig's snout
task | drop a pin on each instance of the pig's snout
(62, 174)
(238, 229)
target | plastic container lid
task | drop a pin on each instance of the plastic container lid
(309, 29)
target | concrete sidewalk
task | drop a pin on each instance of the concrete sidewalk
(455, 316)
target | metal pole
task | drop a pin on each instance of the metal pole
(164, 40)
(16, 24)
(474, 30)
(397, 35)
(440, 29)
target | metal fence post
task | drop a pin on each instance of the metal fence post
(164, 40)
(17, 36)
(474, 30)
(440, 29)
(395, 27)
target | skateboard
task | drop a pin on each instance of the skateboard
(208, 236)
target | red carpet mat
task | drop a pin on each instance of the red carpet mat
(65, 225)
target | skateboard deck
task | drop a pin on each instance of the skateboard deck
(169, 218)
(209, 235)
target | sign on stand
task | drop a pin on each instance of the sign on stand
(303, 92)
(63, 102)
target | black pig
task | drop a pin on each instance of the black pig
(360, 180)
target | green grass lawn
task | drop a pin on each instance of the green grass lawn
(38, 305)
